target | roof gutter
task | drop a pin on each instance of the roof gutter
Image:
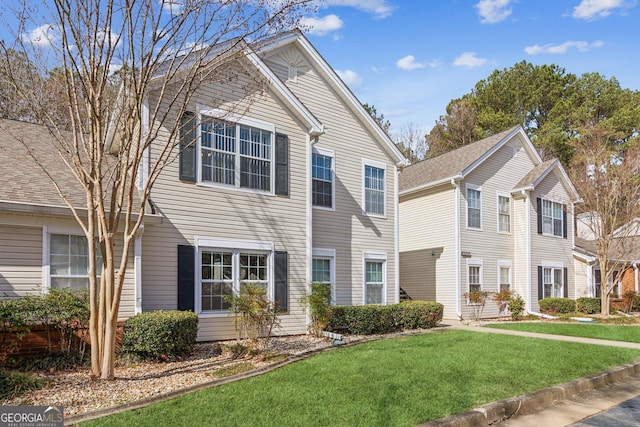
(431, 184)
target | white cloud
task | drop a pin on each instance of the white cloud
(321, 26)
(379, 8)
(44, 35)
(594, 9)
(174, 7)
(408, 63)
(350, 78)
(469, 60)
(493, 11)
(560, 49)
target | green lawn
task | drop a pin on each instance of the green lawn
(585, 330)
(392, 382)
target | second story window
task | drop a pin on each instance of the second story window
(374, 191)
(552, 217)
(504, 214)
(473, 207)
(322, 175)
(236, 155)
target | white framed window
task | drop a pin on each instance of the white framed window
(323, 269)
(69, 261)
(504, 275)
(474, 274)
(474, 206)
(504, 213)
(552, 280)
(237, 154)
(225, 267)
(552, 218)
(375, 278)
(323, 194)
(613, 280)
(374, 189)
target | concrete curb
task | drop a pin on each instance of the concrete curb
(496, 412)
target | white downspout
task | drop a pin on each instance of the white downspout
(527, 216)
(635, 276)
(137, 269)
(396, 226)
(457, 254)
(309, 242)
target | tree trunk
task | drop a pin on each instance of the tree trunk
(108, 372)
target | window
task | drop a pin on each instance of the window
(504, 214)
(374, 191)
(226, 272)
(236, 155)
(374, 282)
(613, 282)
(322, 175)
(552, 218)
(552, 282)
(473, 207)
(504, 276)
(323, 269)
(69, 261)
(474, 278)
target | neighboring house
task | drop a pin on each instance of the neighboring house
(488, 216)
(624, 258)
(290, 184)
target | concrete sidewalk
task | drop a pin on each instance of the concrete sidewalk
(578, 403)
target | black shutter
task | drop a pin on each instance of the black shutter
(282, 164)
(564, 221)
(281, 280)
(565, 282)
(187, 147)
(539, 202)
(186, 277)
(540, 284)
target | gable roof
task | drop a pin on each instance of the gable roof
(453, 164)
(535, 176)
(296, 37)
(623, 249)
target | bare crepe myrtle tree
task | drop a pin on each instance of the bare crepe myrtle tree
(110, 81)
(606, 174)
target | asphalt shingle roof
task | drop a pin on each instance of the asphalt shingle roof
(530, 178)
(449, 164)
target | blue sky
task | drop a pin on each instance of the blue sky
(410, 58)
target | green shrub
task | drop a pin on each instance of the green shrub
(319, 302)
(516, 306)
(255, 315)
(382, 319)
(628, 301)
(557, 305)
(417, 314)
(588, 305)
(636, 304)
(160, 335)
(14, 383)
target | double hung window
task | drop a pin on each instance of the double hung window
(236, 155)
(504, 214)
(474, 206)
(374, 188)
(322, 175)
(552, 282)
(552, 218)
(69, 261)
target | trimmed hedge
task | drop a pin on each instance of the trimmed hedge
(557, 305)
(381, 319)
(160, 335)
(588, 305)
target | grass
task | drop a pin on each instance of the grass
(585, 330)
(393, 382)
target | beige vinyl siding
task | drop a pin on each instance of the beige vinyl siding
(582, 276)
(192, 210)
(497, 175)
(346, 229)
(551, 248)
(427, 223)
(20, 261)
(21, 257)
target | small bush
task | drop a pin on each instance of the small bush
(628, 301)
(160, 335)
(417, 314)
(255, 315)
(588, 305)
(382, 319)
(319, 302)
(516, 306)
(557, 305)
(14, 383)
